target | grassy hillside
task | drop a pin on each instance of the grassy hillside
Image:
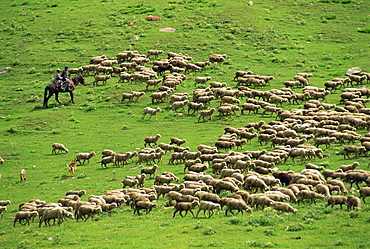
(279, 38)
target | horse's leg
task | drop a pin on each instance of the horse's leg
(57, 98)
(71, 94)
(47, 96)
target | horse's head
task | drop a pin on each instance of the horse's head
(79, 79)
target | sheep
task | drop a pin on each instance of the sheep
(151, 140)
(84, 157)
(337, 200)
(130, 182)
(55, 213)
(102, 78)
(185, 206)
(305, 194)
(124, 76)
(357, 177)
(1, 161)
(158, 97)
(202, 80)
(109, 159)
(25, 215)
(194, 106)
(154, 53)
(284, 207)
(146, 205)
(151, 112)
(353, 202)
(76, 192)
(206, 113)
(235, 204)
(324, 140)
(357, 150)
(59, 147)
(260, 201)
(87, 211)
(145, 157)
(323, 189)
(108, 207)
(149, 170)
(2, 210)
(179, 104)
(352, 166)
(208, 206)
(217, 58)
(5, 202)
(364, 192)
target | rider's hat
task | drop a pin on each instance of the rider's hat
(58, 70)
(66, 67)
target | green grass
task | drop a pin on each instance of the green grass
(279, 38)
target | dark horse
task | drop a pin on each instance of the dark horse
(53, 89)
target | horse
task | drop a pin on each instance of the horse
(54, 89)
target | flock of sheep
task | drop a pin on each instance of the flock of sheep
(219, 176)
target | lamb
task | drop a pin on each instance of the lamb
(87, 211)
(151, 140)
(337, 200)
(59, 147)
(102, 78)
(284, 207)
(206, 113)
(158, 97)
(151, 112)
(364, 192)
(185, 206)
(108, 207)
(130, 182)
(25, 215)
(149, 170)
(353, 202)
(84, 157)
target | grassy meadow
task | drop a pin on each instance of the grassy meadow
(278, 38)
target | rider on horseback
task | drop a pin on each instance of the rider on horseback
(64, 79)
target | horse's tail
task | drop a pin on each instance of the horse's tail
(46, 91)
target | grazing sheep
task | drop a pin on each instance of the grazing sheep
(284, 207)
(185, 206)
(337, 200)
(59, 147)
(25, 215)
(364, 192)
(151, 112)
(353, 202)
(84, 157)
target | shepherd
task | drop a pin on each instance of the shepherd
(54, 89)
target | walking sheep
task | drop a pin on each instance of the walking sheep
(151, 140)
(151, 112)
(84, 157)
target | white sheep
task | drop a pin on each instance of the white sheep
(353, 202)
(25, 215)
(59, 147)
(208, 206)
(108, 159)
(179, 104)
(84, 157)
(364, 192)
(151, 140)
(185, 206)
(151, 112)
(102, 78)
(1, 160)
(23, 175)
(202, 80)
(284, 207)
(206, 113)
